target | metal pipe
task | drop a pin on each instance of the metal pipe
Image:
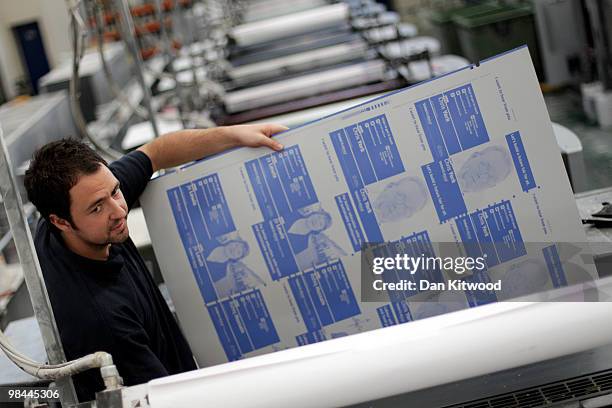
(128, 37)
(8, 237)
(98, 12)
(196, 82)
(78, 34)
(167, 50)
(18, 223)
(100, 359)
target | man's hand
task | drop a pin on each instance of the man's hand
(182, 146)
(257, 135)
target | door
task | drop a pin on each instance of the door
(33, 55)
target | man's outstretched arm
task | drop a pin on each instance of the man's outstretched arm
(182, 146)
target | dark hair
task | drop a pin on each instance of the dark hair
(55, 168)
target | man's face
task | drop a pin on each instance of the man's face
(98, 209)
(235, 250)
(317, 222)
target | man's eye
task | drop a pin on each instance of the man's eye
(97, 208)
(116, 192)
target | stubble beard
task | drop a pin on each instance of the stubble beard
(118, 237)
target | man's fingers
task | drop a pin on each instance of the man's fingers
(272, 128)
(271, 143)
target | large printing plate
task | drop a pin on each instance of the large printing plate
(261, 250)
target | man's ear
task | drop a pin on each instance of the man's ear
(60, 223)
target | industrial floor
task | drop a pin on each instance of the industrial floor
(565, 108)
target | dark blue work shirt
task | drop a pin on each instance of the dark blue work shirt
(112, 305)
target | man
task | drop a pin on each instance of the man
(102, 294)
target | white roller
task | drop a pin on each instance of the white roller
(304, 86)
(275, 8)
(388, 33)
(443, 64)
(382, 19)
(186, 77)
(291, 24)
(411, 46)
(395, 359)
(182, 63)
(298, 62)
(298, 118)
(198, 47)
(142, 132)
